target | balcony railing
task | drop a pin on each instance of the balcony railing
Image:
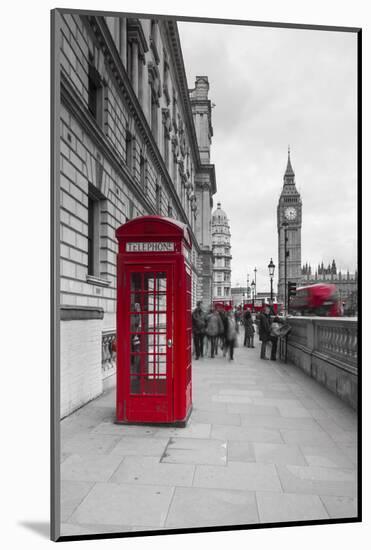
(108, 353)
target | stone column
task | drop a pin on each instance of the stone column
(206, 217)
(123, 41)
(134, 64)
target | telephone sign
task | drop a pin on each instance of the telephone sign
(150, 247)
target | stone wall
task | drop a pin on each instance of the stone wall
(81, 363)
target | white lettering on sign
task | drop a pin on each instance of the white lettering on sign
(150, 247)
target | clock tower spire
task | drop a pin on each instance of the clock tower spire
(289, 221)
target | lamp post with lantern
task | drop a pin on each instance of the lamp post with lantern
(271, 268)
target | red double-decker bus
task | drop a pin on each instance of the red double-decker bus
(258, 305)
(319, 299)
(222, 304)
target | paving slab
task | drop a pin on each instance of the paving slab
(124, 504)
(315, 436)
(107, 399)
(72, 494)
(340, 507)
(149, 471)
(232, 399)
(247, 384)
(83, 420)
(240, 451)
(243, 476)
(205, 405)
(278, 507)
(274, 453)
(140, 446)
(214, 508)
(278, 422)
(250, 409)
(192, 430)
(318, 412)
(351, 451)
(294, 411)
(277, 402)
(87, 443)
(216, 417)
(346, 418)
(195, 451)
(243, 433)
(121, 430)
(317, 480)
(96, 467)
(244, 393)
(326, 456)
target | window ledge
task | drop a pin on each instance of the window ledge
(97, 281)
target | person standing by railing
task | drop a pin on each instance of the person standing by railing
(274, 334)
(264, 331)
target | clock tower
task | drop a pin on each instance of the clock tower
(289, 219)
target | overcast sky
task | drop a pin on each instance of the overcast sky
(271, 88)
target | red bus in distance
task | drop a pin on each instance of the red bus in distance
(319, 299)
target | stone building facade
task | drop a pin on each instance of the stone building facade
(221, 247)
(289, 222)
(133, 141)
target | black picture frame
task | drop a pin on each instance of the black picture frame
(55, 276)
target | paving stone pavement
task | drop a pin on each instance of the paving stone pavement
(265, 443)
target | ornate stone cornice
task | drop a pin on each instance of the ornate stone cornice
(136, 34)
(209, 169)
(171, 30)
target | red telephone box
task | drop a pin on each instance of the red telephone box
(154, 322)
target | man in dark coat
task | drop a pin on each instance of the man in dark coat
(249, 329)
(264, 331)
(198, 329)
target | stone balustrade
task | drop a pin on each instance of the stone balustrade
(327, 349)
(108, 357)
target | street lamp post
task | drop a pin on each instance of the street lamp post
(271, 268)
(285, 225)
(255, 270)
(255, 287)
(253, 294)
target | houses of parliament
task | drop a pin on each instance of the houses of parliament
(289, 223)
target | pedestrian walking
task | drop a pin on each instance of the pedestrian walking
(214, 327)
(275, 333)
(231, 334)
(223, 333)
(249, 329)
(264, 331)
(198, 329)
(237, 319)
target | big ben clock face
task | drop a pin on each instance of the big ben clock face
(290, 213)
